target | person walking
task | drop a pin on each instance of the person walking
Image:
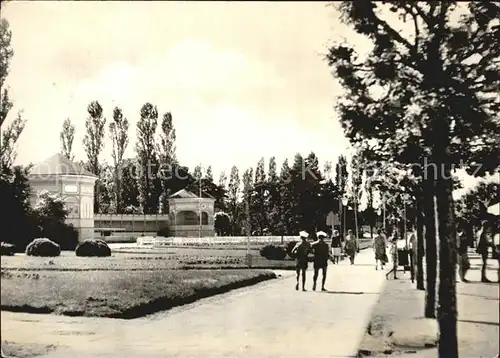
(301, 250)
(413, 253)
(496, 245)
(463, 257)
(336, 246)
(482, 248)
(394, 256)
(351, 245)
(379, 248)
(321, 253)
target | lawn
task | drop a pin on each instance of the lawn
(128, 284)
(131, 283)
(147, 259)
(116, 294)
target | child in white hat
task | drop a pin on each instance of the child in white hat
(321, 255)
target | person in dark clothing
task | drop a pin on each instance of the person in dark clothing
(321, 254)
(336, 246)
(463, 257)
(483, 245)
(301, 250)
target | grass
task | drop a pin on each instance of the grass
(116, 294)
(144, 260)
(127, 284)
(130, 283)
(25, 350)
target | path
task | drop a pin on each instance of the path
(270, 319)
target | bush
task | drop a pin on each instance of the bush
(93, 248)
(7, 249)
(65, 235)
(289, 248)
(164, 231)
(43, 247)
(272, 252)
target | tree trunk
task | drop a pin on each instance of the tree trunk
(447, 307)
(420, 243)
(430, 244)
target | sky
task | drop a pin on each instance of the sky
(242, 80)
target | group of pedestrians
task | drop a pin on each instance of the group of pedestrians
(484, 242)
(322, 253)
(380, 244)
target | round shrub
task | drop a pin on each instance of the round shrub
(272, 252)
(164, 231)
(43, 247)
(93, 248)
(7, 249)
(289, 248)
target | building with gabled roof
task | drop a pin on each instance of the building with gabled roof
(191, 215)
(59, 175)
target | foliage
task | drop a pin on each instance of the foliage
(164, 231)
(209, 175)
(50, 214)
(258, 198)
(67, 136)
(6, 54)
(129, 193)
(9, 138)
(273, 252)
(118, 132)
(7, 249)
(472, 208)
(223, 180)
(441, 82)
(93, 143)
(149, 185)
(233, 194)
(106, 188)
(167, 156)
(222, 224)
(17, 224)
(93, 248)
(43, 247)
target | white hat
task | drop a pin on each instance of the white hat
(303, 234)
(321, 233)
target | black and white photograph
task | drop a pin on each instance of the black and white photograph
(219, 179)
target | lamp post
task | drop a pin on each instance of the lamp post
(199, 206)
(344, 204)
(383, 209)
(356, 217)
(405, 197)
(175, 222)
(247, 225)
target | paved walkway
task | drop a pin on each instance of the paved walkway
(270, 319)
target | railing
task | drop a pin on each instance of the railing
(217, 240)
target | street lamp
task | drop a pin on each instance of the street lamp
(405, 197)
(345, 201)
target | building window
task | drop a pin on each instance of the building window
(71, 189)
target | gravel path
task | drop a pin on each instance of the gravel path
(270, 319)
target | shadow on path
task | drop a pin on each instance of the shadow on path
(479, 322)
(480, 296)
(349, 293)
